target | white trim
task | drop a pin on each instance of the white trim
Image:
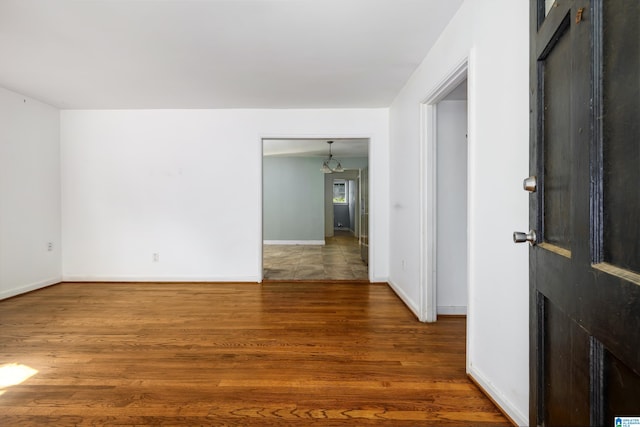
(260, 204)
(161, 279)
(405, 298)
(457, 75)
(471, 210)
(428, 187)
(293, 242)
(28, 288)
(428, 225)
(499, 398)
(455, 310)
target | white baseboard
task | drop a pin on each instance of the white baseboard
(293, 242)
(28, 288)
(499, 398)
(162, 279)
(455, 310)
(405, 299)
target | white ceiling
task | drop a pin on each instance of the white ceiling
(96, 54)
(341, 147)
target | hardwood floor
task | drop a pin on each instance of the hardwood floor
(232, 354)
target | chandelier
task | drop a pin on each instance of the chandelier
(331, 164)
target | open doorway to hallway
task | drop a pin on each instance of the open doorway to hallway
(451, 203)
(308, 234)
(444, 198)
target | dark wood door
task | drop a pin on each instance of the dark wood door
(585, 267)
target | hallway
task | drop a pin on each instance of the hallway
(338, 259)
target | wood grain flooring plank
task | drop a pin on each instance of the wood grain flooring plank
(233, 355)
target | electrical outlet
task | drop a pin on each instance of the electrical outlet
(50, 246)
(156, 257)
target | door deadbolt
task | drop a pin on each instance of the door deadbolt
(530, 184)
(520, 237)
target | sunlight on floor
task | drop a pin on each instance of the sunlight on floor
(14, 374)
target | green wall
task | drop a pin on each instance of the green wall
(293, 198)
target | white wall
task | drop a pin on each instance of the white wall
(140, 182)
(493, 34)
(451, 208)
(29, 194)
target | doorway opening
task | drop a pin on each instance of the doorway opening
(445, 189)
(310, 233)
(451, 203)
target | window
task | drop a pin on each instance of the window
(339, 191)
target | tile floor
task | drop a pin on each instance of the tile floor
(338, 259)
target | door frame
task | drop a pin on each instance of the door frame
(262, 138)
(427, 304)
(328, 200)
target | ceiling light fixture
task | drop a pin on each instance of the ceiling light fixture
(330, 164)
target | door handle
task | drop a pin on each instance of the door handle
(520, 237)
(530, 184)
